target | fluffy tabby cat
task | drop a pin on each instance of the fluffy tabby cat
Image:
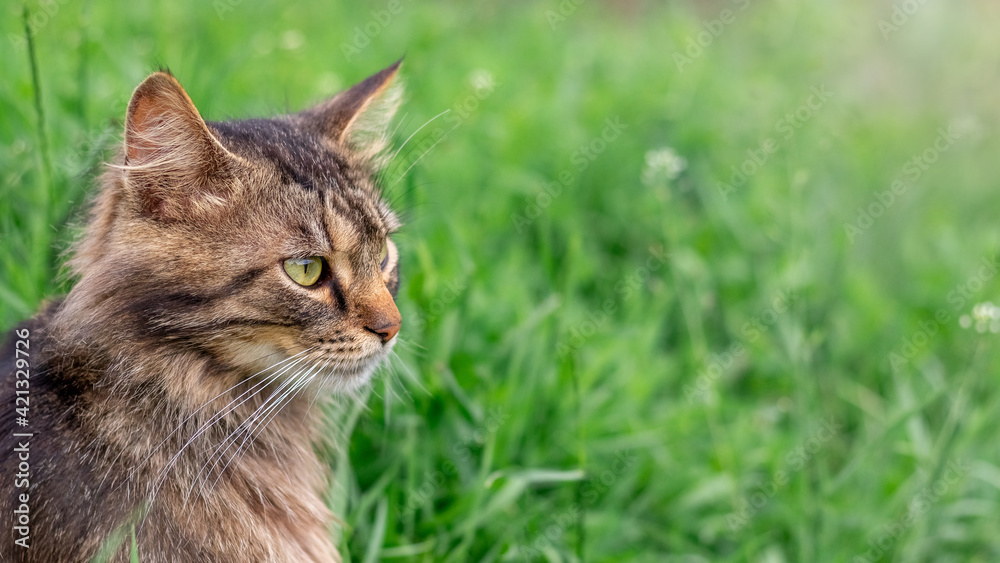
(230, 274)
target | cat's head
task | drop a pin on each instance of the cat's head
(253, 243)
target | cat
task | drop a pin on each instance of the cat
(229, 275)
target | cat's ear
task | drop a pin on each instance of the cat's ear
(174, 166)
(358, 119)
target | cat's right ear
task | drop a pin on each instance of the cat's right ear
(175, 168)
(357, 119)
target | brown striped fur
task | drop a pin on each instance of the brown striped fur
(183, 328)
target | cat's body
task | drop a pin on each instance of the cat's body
(230, 275)
(96, 452)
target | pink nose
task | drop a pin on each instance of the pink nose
(386, 332)
(380, 316)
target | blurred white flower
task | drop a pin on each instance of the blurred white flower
(985, 317)
(482, 79)
(328, 84)
(662, 165)
(968, 125)
(292, 39)
(262, 43)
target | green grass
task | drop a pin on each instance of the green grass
(565, 391)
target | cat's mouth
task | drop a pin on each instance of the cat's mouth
(323, 367)
(357, 370)
(342, 373)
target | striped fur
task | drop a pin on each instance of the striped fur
(175, 383)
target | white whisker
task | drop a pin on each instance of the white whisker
(443, 137)
(319, 388)
(196, 411)
(260, 422)
(226, 443)
(161, 477)
(429, 121)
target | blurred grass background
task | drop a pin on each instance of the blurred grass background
(608, 354)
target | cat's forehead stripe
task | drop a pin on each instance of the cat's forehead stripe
(303, 160)
(340, 233)
(347, 207)
(299, 158)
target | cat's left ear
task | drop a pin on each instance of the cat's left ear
(175, 167)
(358, 119)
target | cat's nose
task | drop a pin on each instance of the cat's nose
(385, 332)
(381, 317)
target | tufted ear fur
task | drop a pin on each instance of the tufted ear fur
(358, 119)
(175, 168)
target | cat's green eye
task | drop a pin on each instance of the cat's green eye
(304, 271)
(383, 256)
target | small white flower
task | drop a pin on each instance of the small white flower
(968, 126)
(328, 84)
(482, 79)
(985, 317)
(662, 165)
(263, 43)
(292, 39)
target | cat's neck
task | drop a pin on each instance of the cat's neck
(166, 408)
(195, 442)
